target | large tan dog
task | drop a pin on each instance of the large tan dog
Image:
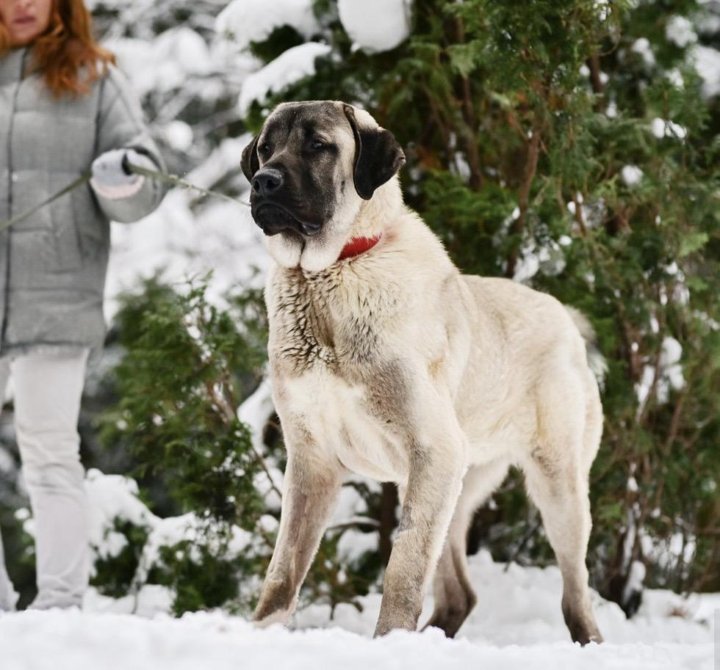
(387, 362)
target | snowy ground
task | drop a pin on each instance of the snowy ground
(517, 624)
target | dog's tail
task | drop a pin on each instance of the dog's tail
(596, 361)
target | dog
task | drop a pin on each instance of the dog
(388, 362)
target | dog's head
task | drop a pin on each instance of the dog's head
(310, 169)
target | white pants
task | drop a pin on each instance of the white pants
(48, 388)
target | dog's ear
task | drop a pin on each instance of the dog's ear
(378, 156)
(250, 162)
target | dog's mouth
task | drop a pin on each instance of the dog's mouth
(273, 218)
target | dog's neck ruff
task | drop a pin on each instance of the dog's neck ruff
(357, 246)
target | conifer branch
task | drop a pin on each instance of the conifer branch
(529, 171)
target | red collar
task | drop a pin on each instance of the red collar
(357, 246)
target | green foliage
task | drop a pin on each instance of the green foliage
(186, 367)
(179, 384)
(113, 575)
(280, 40)
(202, 578)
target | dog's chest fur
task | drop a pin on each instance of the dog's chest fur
(328, 320)
(326, 356)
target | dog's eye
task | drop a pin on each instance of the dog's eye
(265, 149)
(317, 145)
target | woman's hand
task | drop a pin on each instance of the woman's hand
(110, 176)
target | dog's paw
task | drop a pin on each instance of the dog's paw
(279, 616)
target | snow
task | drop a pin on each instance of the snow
(246, 21)
(602, 7)
(256, 410)
(635, 580)
(113, 497)
(674, 76)
(642, 47)
(354, 544)
(175, 55)
(662, 128)
(375, 25)
(351, 507)
(672, 369)
(667, 552)
(291, 66)
(631, 175)
(547, 258)
(707, 64)
(669, 373)
(516, 625)
(680, 32)
(186, 528)
(179, 135)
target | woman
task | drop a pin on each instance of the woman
(63, 107)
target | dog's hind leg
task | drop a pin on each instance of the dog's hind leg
(309, 494)
(454, 595)
(556, 475)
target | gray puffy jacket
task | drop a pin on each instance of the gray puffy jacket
(53, 264)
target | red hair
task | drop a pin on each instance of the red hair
(66, 54)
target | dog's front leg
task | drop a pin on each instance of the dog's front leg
(310, 489)
(437, 465)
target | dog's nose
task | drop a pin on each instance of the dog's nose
(267, 181)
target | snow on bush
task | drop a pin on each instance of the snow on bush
(178, 135)
(176, 55)
(668, 375)
(662, 128)
(255, 413)
(354, 544)
(707, 64)
(256, 410)
(189, 530)
(141, 563)
(375, 25)
(546, 257)
(602, 7)
(113, 499)
(631, 175)
(245, 21)
(291, 66)
(668, 552)
(644, 50)
(680, 31)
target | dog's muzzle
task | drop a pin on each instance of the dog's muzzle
(267, 210)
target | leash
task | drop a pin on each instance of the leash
(178, 181)
(164, 177)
